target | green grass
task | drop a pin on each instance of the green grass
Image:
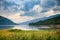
(15, 34)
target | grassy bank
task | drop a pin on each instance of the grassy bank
(29, 35)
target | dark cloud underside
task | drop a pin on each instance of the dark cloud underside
(26, 5)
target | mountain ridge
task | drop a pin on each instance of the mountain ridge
(55, 19)
(34, 20)
(6, 21)
(39, 19)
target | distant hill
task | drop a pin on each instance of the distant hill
(34, 20)
(6, 21)
(55, 19)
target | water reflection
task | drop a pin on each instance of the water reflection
(25, 27)
(5, 27)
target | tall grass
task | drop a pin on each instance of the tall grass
(29, 35)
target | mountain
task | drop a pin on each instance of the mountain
(57, 15)
(34, 20)
(39, 19)
(55, 19)
(6, 21)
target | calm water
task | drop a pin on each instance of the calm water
(25, 27)
(22, 27)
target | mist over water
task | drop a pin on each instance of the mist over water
(23, 27)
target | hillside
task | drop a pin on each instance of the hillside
(34, 20)
(55, 19)
(6, 21)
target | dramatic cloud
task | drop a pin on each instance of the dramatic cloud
(28, 9)
(18, 19)
(50, 4)
(18, 5)
(34, 12)
(30, 4)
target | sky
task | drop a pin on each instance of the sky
(24, 10)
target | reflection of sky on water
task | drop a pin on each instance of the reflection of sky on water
(23, 27)
(5, 27)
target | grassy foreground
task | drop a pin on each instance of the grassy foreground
(29, 35)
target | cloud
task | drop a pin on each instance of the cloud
(17, 18)
(30, 4)
(47, 3)
(28, 9)
(50, 13)
(7, 4)
(34, 12)
(43, 7)
(50, 4)
(26, 5)
(18, 5)
(58, 2)
(57, 9)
